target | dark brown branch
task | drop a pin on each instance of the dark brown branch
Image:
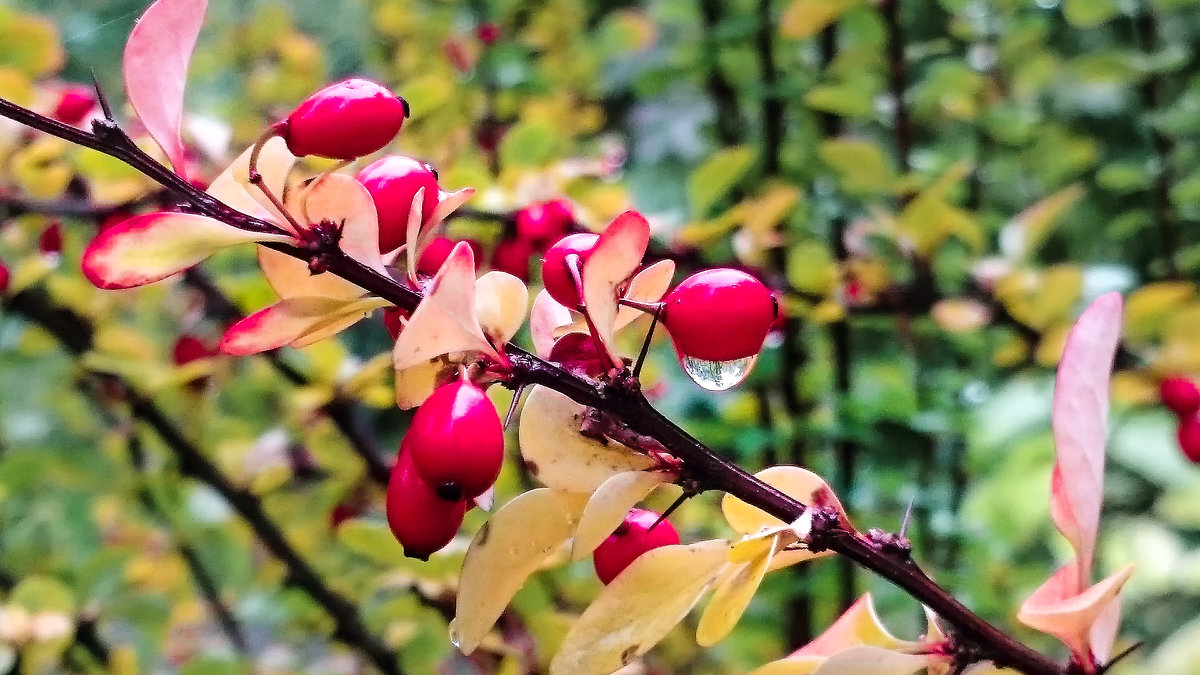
(722, 93)
(75, 333)
(898, 82)
(620, 398)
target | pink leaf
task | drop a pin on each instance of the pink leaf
(858, 626)
(155, 69)
(1058, 609)
(615, 258)
(290, 277)
(1080, 422)
(295, 321)
(445, 321)
(341, 199)
(546, 316)
(151, 247)
(234, 188)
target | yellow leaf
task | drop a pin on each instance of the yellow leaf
(1050, 347)
(713, 179)
(512, 545)
(1147, 309)
(501, 301)
(608, 506)
(561, 457)
(734, 592)
(800, 484)
(859, 625)
(1030, 228)
(805, 18)
(639, 608)
(861, 166)
(876, 661)
(298, 322)
(811, 268)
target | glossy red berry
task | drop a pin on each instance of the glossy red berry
(5, 275)
(392, 320)
(1180, 395)
(488, 33)
(512, 256)
(74, 104)
(438, 249)
(50, 242)
(189, 348)
(577, 353)
(543, 222)
(421, 521)
(393, 181)
(345, 120)
(1189, 438)
(556, 276)
(719, 315)
(631, 539)
(457, 440)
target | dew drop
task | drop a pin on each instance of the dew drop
(455, 639)
(718, 375)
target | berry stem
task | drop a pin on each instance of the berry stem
(256, 179)
(574, 264)
(641, 359)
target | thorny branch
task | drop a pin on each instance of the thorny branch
(710, 470)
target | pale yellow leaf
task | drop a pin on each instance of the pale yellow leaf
(875, 661)
(608, 506)
(733, 594)
(800, 484)
(639, 608)
(561, 457)
(512, 545)
(500, 304)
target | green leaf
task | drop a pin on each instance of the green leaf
(1089, 13)
(713, 180)
(530, 143)
(862, 168)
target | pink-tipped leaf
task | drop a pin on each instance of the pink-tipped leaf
(151, 247)
(155, 69)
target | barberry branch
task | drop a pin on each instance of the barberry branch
(75, 333)
(618, 398)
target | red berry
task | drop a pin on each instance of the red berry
(556, 276)
(392, 320)
(512, 256)
(74, 104)
(438, 250)
(457, 440)
(51, 240)
(1189, 438)
(577, 353)
(393, 181)
(114, 218)
(345, 120)
(341, 513)
(631, 539)
(189, 348)
(422, 521)
(488, 33)
(4, 277)
(719, 315)
(543, 222)
(1180, 395)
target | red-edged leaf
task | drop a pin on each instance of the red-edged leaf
(295, 321)
(155, 69)
(858, 626)
(1058, 609)
(151, 247)
(615, 258)
(1080, 422)
(445, 321)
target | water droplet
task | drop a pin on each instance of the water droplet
(454, 637)
(718, 375)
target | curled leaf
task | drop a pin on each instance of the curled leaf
(639, 608)
(151, 247)
(500, 304)
(512, 545)
(616, 256)
(859, 625)
(801, 484)
(1056, 608)
(445, 321)
(734, 591)
(155, 69)
(295, 321)
(559, 456)
(234, 189)
(608, 506)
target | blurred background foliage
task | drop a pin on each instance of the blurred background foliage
(935, 188)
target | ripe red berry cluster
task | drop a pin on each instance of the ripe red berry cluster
(451, 454)
(637, 535)
(1183, 398)
(532, 230)
(345, 120)
(393, 182)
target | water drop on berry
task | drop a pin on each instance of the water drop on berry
(455, 638)
(718, 375)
